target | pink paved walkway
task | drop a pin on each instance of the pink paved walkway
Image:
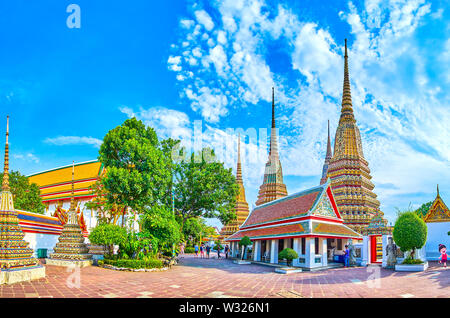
(221, 278)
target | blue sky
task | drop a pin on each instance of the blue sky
(185, 64)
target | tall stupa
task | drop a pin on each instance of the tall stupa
(348, 169)
(272, 187)
(241, 209)
(16, 261)
(328, 157)
(71, 250)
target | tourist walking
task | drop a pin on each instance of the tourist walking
(346, 256)
(196, 250)
(227, 250)
(208, 249)
(218, 252)
(182, 250)
(202, 251)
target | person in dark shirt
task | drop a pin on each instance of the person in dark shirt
(227, 250)
(346, 256)
(208, 249)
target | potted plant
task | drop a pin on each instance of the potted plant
(410, 234)
(244, 242)
(289, 255)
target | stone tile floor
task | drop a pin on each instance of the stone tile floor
(214, 278)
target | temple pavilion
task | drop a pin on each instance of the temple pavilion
(241, 209)
(308, 222)
(348, 169)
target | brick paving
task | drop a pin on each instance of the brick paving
(214, 278)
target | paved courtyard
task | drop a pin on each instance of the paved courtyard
(221, 278)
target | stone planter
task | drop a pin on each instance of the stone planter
(411, 267)
(241, 262)
(288, 270)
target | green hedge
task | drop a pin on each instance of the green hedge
(410, 261)
(189, 250)
(133, 263)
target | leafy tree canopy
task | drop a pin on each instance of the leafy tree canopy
(137, 172)
(196, 228)
(160, 222)
(245, 241)
(203, 187)
(26, 194)
(108, 235)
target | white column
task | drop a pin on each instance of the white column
(384, 240)
(274, 251)
(298, 250)
(310, 253)
(257, 251)
(324, 252)
(365, 251)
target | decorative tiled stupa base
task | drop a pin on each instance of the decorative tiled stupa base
(21, 275)
(69, 263)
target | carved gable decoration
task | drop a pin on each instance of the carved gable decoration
(324, 207)
(438, 212)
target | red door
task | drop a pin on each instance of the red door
(373, 248)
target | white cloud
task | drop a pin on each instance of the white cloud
(26, 157)
(203, 18)
(74, 140)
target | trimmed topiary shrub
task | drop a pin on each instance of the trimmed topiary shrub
(189, 250)
(108, 235)
(288, 254)
(410, 232)
(244, 242)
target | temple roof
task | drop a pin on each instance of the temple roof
(294, 205)
(312, 212)
(297, 229)
(438, 211)
(55, 184)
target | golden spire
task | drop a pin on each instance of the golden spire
(273, 131)
(347, 109)
(437, 190)
(239, 168)
(329, 153)
(5, 185)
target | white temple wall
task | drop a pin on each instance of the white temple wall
(437, 234)
(37, 240)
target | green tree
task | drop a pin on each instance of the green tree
(203, 187)
(108, 235)
(288, 254)
(137, 171)
(160, 223)
(244, 242)
(410, 232)
(107, 212)
(26, 195)
(195, 229)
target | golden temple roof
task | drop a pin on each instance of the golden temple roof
(56, 184)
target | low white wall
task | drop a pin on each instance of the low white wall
(36, 241)
(437, 234)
